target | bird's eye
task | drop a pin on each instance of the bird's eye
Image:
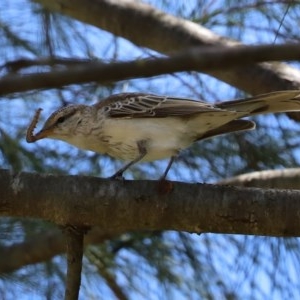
(60, 120)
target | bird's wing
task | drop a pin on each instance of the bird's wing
(137, 105)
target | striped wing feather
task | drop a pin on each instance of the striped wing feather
(136, 105)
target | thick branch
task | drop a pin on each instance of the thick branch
(194, 59)
(137, 205)
(168, 34)
(46, 245)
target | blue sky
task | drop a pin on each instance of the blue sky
(18, 109)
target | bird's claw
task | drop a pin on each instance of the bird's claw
(117, 176)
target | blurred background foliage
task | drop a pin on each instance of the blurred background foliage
(157, 265)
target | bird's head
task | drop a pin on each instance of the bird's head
(61, 124)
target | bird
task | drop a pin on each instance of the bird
(137, 127)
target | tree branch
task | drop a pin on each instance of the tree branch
(74, 250)
(222, 58)
(168, 34)
(44, 246)
(109, 278)
(23, 63)
(279, 179)
(137, 205)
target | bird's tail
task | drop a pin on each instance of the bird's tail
(276, 102)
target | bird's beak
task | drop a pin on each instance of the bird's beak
(43, 133)
(30, 138)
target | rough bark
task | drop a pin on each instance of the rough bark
(139, 205)
(169, 34)
(43, 247)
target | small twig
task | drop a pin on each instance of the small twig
(30, 137)
(74, 239)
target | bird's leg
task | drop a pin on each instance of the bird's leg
(163, 177)
(142, 152)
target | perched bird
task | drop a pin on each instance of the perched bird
(143, 127)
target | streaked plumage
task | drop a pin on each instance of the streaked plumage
(143, 127)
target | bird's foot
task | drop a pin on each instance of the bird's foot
(164, 186)
(117, 176)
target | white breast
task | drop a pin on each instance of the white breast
(163, 137)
